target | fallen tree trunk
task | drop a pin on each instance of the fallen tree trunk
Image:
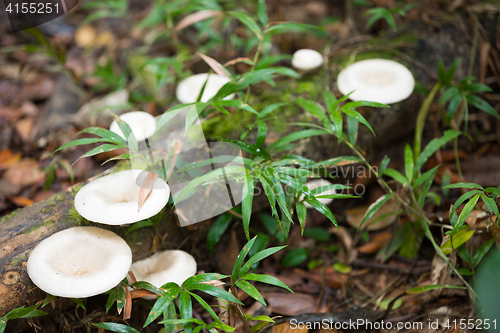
(23, 229)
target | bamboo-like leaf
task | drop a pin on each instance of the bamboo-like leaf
(186, 312)
(217, 230)
(374, 207)
(262, 12)
(461, 200)
(162, 303)
(246, 203)
(409, 164)
(434, 145)
(356, 115)
(296, 136)
(115, 327)
(248, 21)
(240, 258)
(258, 257)
(396, 175)
(464, 214)
(311, 107)
(250, 290)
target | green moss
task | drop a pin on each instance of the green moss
(37, 226)
(8, 216)
(77, 188)
(59, 197)
(18, 259)
(122, 165)
(74, 217)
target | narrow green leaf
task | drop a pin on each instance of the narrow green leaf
(272, 177)
(241, 257)
(464, 185)
(258, 257)
(114, 327)
(481, 252)
(246, 203)
(98, 150)
(490, 204)
(24, 312)
(374, 207)
(462, 199)
(270, 108)
(464, 214)
(105, 134)
(383, 165)
(295, 257)
(239, 104)
(330, 100)
(217, 230)
(296, 136)
(311, 107)
(352, 105)
(301, 214)
(482, 105)
(434, 145)
(262, 12)
(409, 164)
(356, 115)
(266, 279)
(215, 291)
(418, 290)
(396, 175)
(203, 277)
(248, 21)
(261, 134)
(337, 162)
(162, 303)
(250, 290)
(296, 27)
(456, 240)
(207, 307)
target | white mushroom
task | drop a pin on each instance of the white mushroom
(113, 199)
(188, 89)
(163, 267)
(376, 80)
(307, 59)
(315, 183)
(79, 262)
(141, 123)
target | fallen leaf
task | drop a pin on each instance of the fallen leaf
(376, 243)
(146, 187)
(215, 65)
(22, 201)
(23, 127)
(196, 17)
(332, 278)
(286, 328)
(7, 189)
(290, 304)
(8, 159)
(24, 173)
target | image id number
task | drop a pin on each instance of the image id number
(33, 8)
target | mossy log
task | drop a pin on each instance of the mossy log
(23, 229)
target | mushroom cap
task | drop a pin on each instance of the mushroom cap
(79, 262)
(307, 59)
(376, 80)
(188, 89)
(315, 183)
(113, 199)
(165, 266)
(142, 124)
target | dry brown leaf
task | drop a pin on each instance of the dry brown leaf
(237, 60)
(290, 304)
(330, 276)
(8, 159)
(23, 127)
(286, 328)
(215, 65)
(137, 293)
(196, 17)
(146, 187)
(376, 243)
(22, 201)
(128, 304)
(24, 173)
(355, 216)
(229, 254)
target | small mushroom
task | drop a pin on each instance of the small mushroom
(307, 59)
(113, 199)
(188, 89)
(376, 80)
(141, 123)
(165, 266)
(79, 262)
(315, 183)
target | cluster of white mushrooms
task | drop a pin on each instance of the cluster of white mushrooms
(86, 261)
